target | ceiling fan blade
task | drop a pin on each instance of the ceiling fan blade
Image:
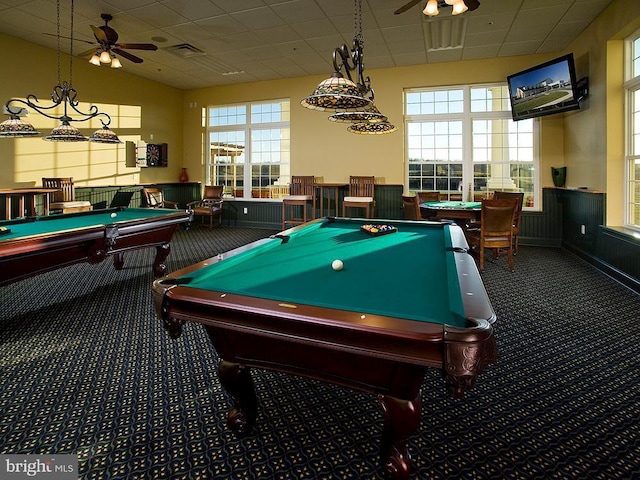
(99, 34)
(127, 55)
(69, 38)
(472, 4)
(88, 52)
(406, 7)
(137, 46)
(110, 33)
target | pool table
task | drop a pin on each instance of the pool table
(404, 301)
(36, 245)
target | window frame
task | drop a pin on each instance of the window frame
(467, 117)
(248, 128)
(632, 87)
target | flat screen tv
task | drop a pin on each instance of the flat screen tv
(545, 89)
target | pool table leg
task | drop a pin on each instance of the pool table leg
(118, 260)
(401, 419)
(236, 380)
(162, 252)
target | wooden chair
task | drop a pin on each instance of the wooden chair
(411, 206)
(155, 198)
(433, 196)
(64, 200)
(210, 206)
(361, 195)
(496, 230)
(518, 198)
(301, 194)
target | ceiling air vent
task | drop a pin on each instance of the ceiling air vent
(445, 33)
(185, 50)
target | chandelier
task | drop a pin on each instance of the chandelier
(63, 95)
(352, 101)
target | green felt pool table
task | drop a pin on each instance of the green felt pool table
(466, 211)
(404, 301)
(36, 245)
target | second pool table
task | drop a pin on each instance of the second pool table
(404, 302)
(40, 244)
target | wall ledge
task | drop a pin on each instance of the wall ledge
(625, 233)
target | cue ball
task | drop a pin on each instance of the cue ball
(114, 215)
(337, 265)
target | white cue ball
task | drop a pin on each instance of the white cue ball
(114, 215)
(337, 265)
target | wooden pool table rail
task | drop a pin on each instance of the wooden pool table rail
(27, 256)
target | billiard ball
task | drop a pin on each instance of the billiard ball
(114, 215)
(337, 265)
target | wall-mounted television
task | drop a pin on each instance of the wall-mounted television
(545, 89)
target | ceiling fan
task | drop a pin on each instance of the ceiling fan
(108, 46)
(470, 4)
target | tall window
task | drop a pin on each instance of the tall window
(463, 142)
(249, 148)
(632, 86)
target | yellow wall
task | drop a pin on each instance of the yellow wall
(325, 149)
(589, 142)
(594, 136)
(148, 108)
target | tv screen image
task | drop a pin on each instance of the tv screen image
(545, 89)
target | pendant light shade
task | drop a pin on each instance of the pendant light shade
(336, 93)
(65, 133)
(16, 127)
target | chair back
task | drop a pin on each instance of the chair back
(518, 198)
(213, 192)
(411, 206)
(121, 199)
(428, 196)
(361, 186)
(65, 188)
(302, 185)
(497, 222)
(153, 196)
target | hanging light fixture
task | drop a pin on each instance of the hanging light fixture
(63, 95)
(352, 101)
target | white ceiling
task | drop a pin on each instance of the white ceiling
(253, 40)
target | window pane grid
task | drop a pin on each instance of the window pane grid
(633, 134)
(479, 137)
(265, 150)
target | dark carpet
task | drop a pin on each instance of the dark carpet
(86, 368)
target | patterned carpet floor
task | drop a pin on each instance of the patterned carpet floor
(86, 368)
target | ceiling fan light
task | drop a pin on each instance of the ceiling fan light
(115, 63)
(95, 60)
(459, 7)
(105, 57)
(431, 8)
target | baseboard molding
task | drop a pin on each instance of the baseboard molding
(607, 269)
